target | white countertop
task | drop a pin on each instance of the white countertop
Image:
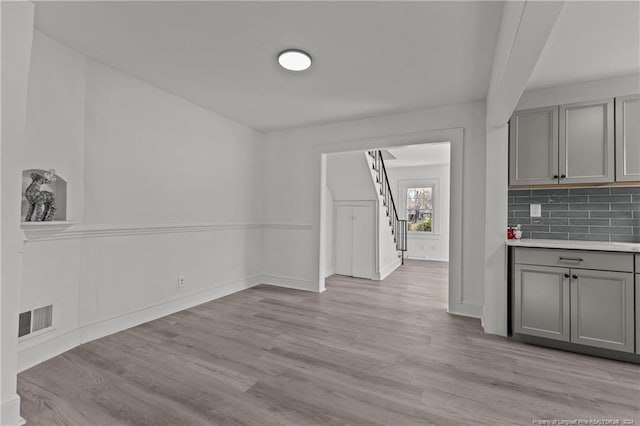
(576, 245)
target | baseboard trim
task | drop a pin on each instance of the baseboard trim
(10, 412)
(288, 282)
(387, 270)
(471, 310)
(39, 351)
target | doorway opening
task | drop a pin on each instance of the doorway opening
(425, 177)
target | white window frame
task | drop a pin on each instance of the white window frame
(434, 183)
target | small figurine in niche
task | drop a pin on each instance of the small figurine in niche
(42, 204)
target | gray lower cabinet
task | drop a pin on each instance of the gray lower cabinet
(589, 298)
(628, 138)
(602, 311)
(637, 306)
(542, 305)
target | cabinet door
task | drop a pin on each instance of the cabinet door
(344, 240)
(363, 232)
(586, 142)
(533, 147)
(628, 138)
(542, 301)
(637, 311)
(602, 313)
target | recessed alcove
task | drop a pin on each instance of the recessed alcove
(58, 188)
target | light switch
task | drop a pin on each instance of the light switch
(535, 210)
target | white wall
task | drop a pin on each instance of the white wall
(17, 31)
(293, 168)
(349, 178)
(590, 90)
(159, 188)
(424, 245)
(330, 260)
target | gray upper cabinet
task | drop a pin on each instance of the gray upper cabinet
(628, 138)
(533, 147)
(602, 312)
(586, 142)
(542, 305)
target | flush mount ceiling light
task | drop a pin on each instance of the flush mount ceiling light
(294, 60)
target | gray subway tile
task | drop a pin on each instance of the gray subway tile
(589, 206)
(625, 222)
(636, 213)
(589, 191)
(622, 230)
(513, 221)
(569, 213)
(625, 206)
(548, 192)
(626, 190)
(570, 229)
(521, 213)
(568, 199)
(589, 237)
(636, 198)
(536, 228)
(520, 207)
(555, 207)
(626, 238)
(549, 221)
(550, 236)
(531, 200)
(609, 198)
(520, 193)
(609, 213)
(591, 222)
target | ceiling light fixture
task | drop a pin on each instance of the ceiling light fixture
(294, 60)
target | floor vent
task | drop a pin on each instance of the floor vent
(36, 320)
(24, 324)
(42, 318)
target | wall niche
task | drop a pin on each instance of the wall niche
(49, 191)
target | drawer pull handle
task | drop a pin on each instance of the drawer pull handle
(570, 259)
(575, 277)
(567, 275)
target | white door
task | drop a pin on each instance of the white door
(362, 252)
(354, 241)
(344, 240)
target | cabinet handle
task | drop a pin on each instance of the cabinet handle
(570, 259)
(563, 176)
(567, 275)
(575, 277)
(555, 176)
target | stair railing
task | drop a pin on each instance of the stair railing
(398, 226)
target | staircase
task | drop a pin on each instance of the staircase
(398, 226)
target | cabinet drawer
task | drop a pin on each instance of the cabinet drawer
(603, 261)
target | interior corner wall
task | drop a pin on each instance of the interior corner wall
(17, 34)
(427, 246)
(159, 188)
(330, 267)
(292, 167)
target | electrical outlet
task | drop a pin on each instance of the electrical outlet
(535, 210)
(180, 281)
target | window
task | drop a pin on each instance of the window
(419, 208)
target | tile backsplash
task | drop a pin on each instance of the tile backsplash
(588, 214)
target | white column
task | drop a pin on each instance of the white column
(494, 316)
(17, 35)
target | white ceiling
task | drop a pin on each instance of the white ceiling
(418, 155)
(590, 41)
(370, 58)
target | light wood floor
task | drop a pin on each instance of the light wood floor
(362, 353)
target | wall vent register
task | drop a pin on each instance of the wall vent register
(36, 320)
